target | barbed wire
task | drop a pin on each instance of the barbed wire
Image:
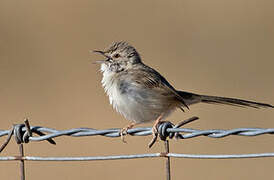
(165, 129)
(23, 133)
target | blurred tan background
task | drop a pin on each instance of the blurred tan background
(215, 47)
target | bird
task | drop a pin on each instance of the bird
(141, 94)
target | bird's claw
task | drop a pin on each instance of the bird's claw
(123, 133)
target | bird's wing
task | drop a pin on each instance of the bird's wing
(150, 79)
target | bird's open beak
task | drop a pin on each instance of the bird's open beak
(102, 53)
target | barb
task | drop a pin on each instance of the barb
(10, 133)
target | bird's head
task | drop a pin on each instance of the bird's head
(119, 56)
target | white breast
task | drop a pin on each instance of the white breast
(110, 85)
(121, 103)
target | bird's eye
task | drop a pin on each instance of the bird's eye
(116, 55)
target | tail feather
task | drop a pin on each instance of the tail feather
(234, 102)
(191, 98)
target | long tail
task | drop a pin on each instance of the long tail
(192, 98)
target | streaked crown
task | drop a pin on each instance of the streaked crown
(123, 51)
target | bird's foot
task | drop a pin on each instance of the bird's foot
(155, 131)
(123, 131)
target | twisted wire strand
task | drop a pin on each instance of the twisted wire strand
(187, 132)
(23, 134)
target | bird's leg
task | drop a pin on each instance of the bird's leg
(155, 131)
(123, 131)
(154, 127)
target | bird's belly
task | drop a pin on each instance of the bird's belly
(139, 108)
(136, 103)
(135, 111)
